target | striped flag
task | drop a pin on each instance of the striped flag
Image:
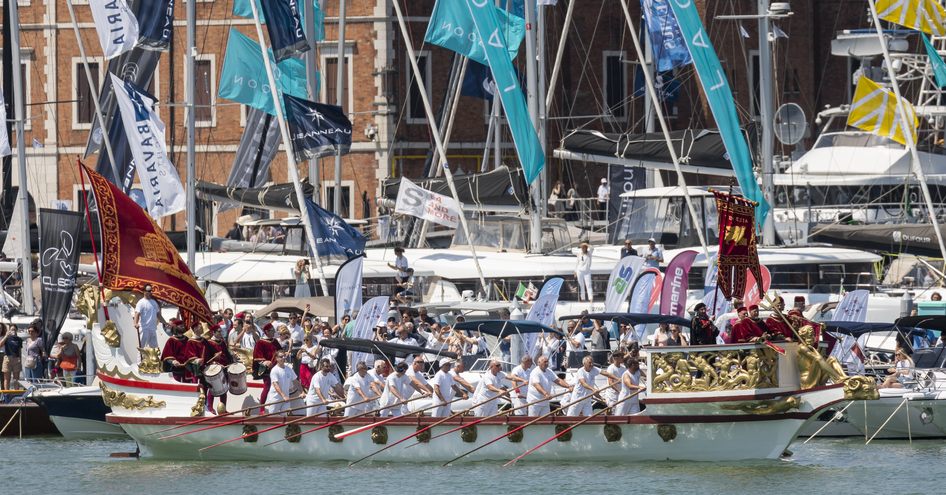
(875, 110)
(923, 15)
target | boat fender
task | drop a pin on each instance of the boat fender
(335, 430)
(468, 434)
(612, 433)
(423, 436)
(515, 437)
(249, 434)
(379, 435)
(667, 432)
(568, 434)
(293, 433)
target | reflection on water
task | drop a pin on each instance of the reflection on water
(822, 466)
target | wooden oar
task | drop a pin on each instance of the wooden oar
(234, 421)
(570, 428)
(333, 423)
(294, 421)
(500, 413)
(524, 425)
(428, 427)
(388, 420)
(211, 418)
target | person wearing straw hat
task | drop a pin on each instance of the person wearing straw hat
(444, 389)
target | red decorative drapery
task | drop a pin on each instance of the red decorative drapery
(136, 252)
(737, 244)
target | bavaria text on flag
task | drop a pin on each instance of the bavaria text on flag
(670, 50)
(244, 78)
(155, 23)
(721, 101)
(145, 131)
(936, 62)
(316, 129)
(334, 238)
(116, 25)
(418, 202)
(923, 15)
(285, 29)
(487, 23)
(451, 27)
(875, 110)
(4, 137)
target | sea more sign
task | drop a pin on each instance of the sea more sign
(418, 202)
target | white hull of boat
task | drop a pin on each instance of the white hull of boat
(78, 428)
(915, 419)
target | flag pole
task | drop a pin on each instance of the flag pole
(290, 157)
(905, 124)
(190, 116)
(340, 98)
(94, 91)
(19, 102)
(434, 129)
(654, 97)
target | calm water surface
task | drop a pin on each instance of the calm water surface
(51, 465)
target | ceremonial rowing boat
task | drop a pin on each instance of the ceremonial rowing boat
(705, 403)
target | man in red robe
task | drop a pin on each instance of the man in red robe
(745, 330)
(196, 353)
(173, 355)
(264, 355)
(776, 324)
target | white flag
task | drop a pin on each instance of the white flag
(162, 187)
(4, 138)
(372, 314)
(853, 307)
(619, 283)
(418, 202)
(116, 25)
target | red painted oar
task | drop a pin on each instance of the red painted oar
(524, 425)
(570, 428)
(500, 413)
(333, 423)
(235, 421)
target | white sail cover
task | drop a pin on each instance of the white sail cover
(4, 138)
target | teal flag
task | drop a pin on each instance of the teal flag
(487, 24)
(936, 62)
(242, 8)
(452, 28)
(720, 98)
(244, 80)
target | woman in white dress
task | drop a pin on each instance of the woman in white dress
(583, 273)
(300, 273)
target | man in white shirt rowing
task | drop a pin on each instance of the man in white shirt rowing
(585, 387)
(398, 388)
(522, 371)
(323, 387)
(444, 389)
(540, 387)
(491, 384)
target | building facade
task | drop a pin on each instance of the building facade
(598, 89)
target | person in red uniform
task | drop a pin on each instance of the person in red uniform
(196, 353)
(173, 355)
(264, 355)
(776, 324)
(218, 353)
(745, 330)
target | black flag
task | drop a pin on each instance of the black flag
(316, 130)
(285, 28)
(258, 147)
(59, 258)
(155, 23)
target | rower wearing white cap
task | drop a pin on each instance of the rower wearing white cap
(522, 372)
(491, 384)
(444, 389)
(540, 387)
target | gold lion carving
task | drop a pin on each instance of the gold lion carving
(115, 398)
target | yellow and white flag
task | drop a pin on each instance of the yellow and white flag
(923, 15)
(875, 110)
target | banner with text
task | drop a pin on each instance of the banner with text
(418, 202)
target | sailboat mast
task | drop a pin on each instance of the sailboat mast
(766, 114)
(906, 122)
(7, 99)
(290, 156)
(541, 81)
(339, 100)
(190, 80)
(535, 189)
(19, 100)
(312, 84)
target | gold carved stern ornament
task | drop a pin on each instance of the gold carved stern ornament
(115, 398)
(150, 360)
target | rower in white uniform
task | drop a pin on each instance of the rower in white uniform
(444, 389)
(581, 397)
(492, 384)
(541, 380)
(322, 388)
(522, 371)
(398, 388)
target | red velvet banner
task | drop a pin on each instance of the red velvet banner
(136, 252)
(737, 244)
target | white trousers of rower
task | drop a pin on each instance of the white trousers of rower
(518, 402)
(582, 408)
(539, 409)
(314, 407)
(584, 286)
(356, 410)
(630, 406)
(487, 409)
(392, 411)
(277, 408)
